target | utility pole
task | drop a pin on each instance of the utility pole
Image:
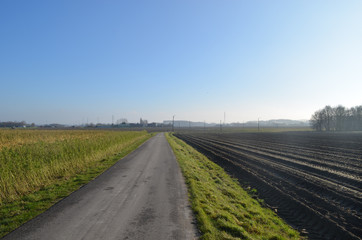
(258, 125)
(173, 123)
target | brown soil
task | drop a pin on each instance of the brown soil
(313, 180)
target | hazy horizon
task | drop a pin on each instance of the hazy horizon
(69, 61)
(163, 121)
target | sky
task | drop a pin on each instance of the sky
(74, 61)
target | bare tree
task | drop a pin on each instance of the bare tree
(327, 115)
(316, 120)
(340, 114)
(357, 117)
(337, 119)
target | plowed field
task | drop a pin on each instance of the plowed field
(312, 180)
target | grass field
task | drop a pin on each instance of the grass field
(39, 167)
(224, 210)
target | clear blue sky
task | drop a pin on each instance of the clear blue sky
(66, 61)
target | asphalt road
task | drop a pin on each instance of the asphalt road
(143, 196)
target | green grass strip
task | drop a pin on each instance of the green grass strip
(15, 213)
(224, 210)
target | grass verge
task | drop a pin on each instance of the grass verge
(14, 213)
(224, 210)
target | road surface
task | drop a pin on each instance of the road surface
(143, 196)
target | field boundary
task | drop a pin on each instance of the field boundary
(311, 180)
(224, 210)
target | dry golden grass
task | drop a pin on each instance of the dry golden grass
(32, 159)
(16, 137)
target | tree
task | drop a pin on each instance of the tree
(340, 115)
(356, 118)
(337, 119)
(327, 118)
(316, 120)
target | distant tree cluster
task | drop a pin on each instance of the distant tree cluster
(12, 124)
(337, 119)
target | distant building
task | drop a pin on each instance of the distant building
(122, 121)
(152, 124)
(143, 123)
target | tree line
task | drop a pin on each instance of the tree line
(15, 124)
(337, 119)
